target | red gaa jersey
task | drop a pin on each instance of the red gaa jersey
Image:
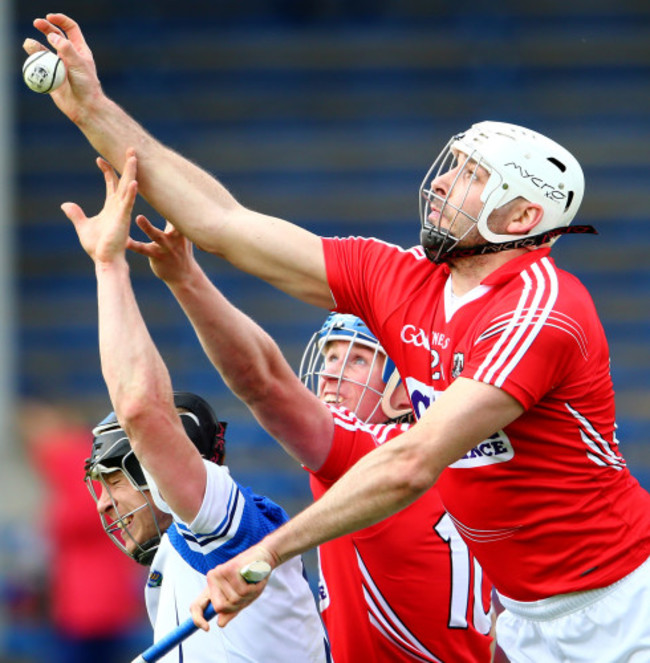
(547, 505)
(406, 589)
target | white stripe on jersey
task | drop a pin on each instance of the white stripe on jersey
(524, 325)
(349, 421)
(483, 535)
(418, 253)
(225, 530)
(572, 328)
(601, 452)
(387, 622)
(556, 320)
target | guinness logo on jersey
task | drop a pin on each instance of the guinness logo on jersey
(458, 365)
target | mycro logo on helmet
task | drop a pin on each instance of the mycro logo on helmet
(549, 190)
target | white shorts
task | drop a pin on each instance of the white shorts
(608, 625)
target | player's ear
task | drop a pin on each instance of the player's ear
(527, 215)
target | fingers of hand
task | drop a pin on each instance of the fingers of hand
(130, 165)
(161, 237)
(31, 46)
(127, 184)
(223, 619)
(223, 595)
(230, 595)
(147, 227)
(73, 212)
(68, 27)
(126, 187)
(65, 35)
(147, 249)
(109, 175)
(196, 610)
(47, 27)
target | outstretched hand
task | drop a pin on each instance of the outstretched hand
(227, 590)
(82, 85)
(170, 254)
(104, 237)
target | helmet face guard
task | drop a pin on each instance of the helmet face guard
(437, 240)
(353, 331)
(116, 526)
(521, 164)
(111, 451)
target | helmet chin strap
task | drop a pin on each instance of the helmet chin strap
(146, 551)
(434, 242)
(392, 414)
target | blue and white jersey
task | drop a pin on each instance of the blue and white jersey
(282, 625)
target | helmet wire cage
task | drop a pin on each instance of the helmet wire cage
(111, 452)
(314, 372)
(443, 240)
(521, 164)
(116, 525)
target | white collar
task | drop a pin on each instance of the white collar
(454, 302)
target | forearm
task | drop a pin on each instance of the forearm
(141, 391)
(197, 204)
(133, 369)
(395, 474)
(188, 196)
(380, 484)
(384, 481)
(285, 255)
(242, 352)
(255, 370)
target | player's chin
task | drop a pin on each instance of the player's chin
(371, 413)
(130, 541)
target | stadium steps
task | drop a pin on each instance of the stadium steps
(333, 127)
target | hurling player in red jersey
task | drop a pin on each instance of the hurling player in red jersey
(502, 353)
(375, 599)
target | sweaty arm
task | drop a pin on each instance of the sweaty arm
(381, 483)
(138, 382)
(248, 359)
(285, 255)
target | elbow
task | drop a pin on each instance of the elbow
(251, 385)
(135, 412)
(219, 233)
(260, 378)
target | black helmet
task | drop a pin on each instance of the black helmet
(207, 432)
(111, 450)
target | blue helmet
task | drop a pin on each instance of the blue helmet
(349, 328)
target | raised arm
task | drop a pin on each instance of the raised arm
(248, 359)
(138, 381)
(383, 482)
(285, 255)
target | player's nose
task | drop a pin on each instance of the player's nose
(441, 184)
(104, 502)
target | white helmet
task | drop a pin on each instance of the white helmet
(521, 163)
